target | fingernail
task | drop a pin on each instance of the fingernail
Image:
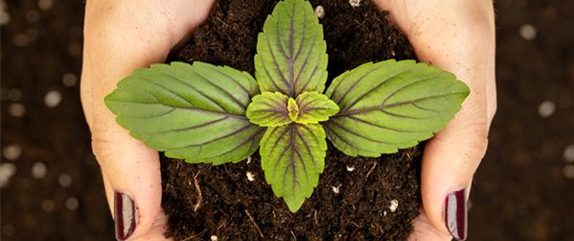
(455, 214)
(125, 215)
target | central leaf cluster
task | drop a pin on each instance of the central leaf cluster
(276, 109)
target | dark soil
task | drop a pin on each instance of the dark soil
(234, 208)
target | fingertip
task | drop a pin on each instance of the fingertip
(133, 184)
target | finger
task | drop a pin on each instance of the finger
(158, 227)
(423, 230)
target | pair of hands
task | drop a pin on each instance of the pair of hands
(123, 35)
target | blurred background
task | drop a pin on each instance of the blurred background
(51, 187)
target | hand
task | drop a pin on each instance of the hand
(457, 36)
(119, 37)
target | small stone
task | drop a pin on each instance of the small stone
(52, 99)
(17, 109)
(39, 170)
(320, 12)
(65, 180)
(336, 189)
(394, 205)
(527, 31)
(355, 3)
(48, 205)
(45, 5)
(350, 168)
(72, 203)
(213, 238)
(69, 79)
(568, 171)
(569, 153)
(250, 176)
(7, 170)
(12, 152)
(546, 109)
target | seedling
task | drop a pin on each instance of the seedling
(211, 114)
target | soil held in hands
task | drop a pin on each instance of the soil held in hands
(356, 199)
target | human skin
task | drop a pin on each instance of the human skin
(123, 35)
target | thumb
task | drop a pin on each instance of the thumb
(133, 183)
(449, 162)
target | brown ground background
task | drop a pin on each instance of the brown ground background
(51, 186)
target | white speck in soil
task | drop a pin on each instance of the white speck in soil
(394, 205)
(213, 238)
(21, 40)
(32, 16)
(336, 189)
(12, 152)
(350, 168)
(569, 153)
(48, 205)
(65, 180)
(248, 159)
(53, 98)
(16, 109)
(250, 176)
(8, 230)
(320, 12)
(384, 213)
(75, 49)
(355, 3)
(72, 203)
(546, 108)
(14, 94)
(69, 79)
(527, 31)
(568, 171)
(39, 170)
(7, 170)
(45, 4)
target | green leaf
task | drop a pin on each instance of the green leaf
(391, 105)
(269, 109)
(194, 112)
(292, 157)
(315, 107)
(291, 53)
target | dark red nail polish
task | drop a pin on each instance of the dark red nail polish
(125, 216)
(455, 214)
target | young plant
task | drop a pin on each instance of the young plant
(208, 114)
